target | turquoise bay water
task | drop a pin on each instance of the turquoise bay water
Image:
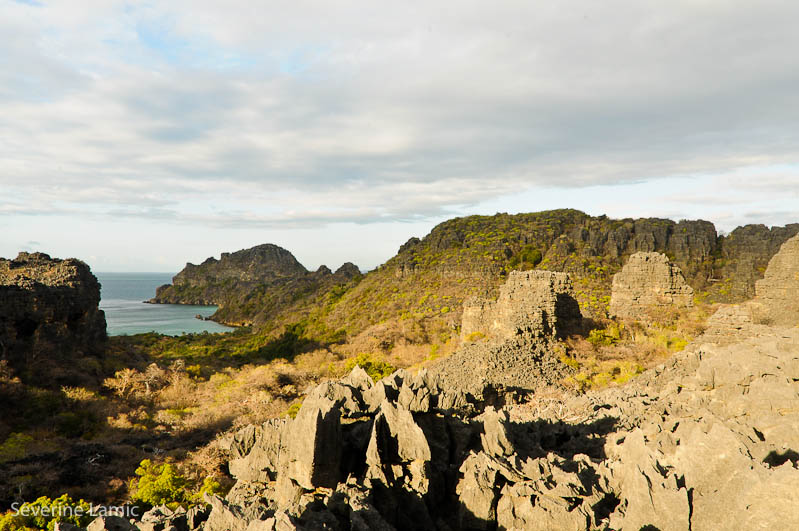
(121, 298)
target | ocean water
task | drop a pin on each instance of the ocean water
(121, 298)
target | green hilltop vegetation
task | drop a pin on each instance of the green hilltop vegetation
(421, 290)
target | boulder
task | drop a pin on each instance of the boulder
(256, 450)
(314, 444)
(110, 523)
(478, 491)
(224, 516)
(398, 450)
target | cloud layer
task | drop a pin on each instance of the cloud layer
(292, 114)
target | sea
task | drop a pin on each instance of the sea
(122, 296)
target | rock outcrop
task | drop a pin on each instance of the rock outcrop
(778, 292)
(49, 317)
(208, 283)
(743, 256)
(706, 441)
(533, 303)
(511, 342)
(251, 286)
(648, 284)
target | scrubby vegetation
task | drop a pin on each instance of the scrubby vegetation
(613, 352)
(44, 513)
(145, 429)
(163, 484)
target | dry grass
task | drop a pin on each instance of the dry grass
(615, 352)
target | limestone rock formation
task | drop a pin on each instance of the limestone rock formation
(533, 309)
(707, 440)
(49, 316)
(648, 283)
(744, 255)
(778, 291)
(251, 286)
(533, 303)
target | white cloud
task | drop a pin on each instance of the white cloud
(241, 114)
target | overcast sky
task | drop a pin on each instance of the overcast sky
(142, 135)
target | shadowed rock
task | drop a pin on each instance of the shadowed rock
(50, 317)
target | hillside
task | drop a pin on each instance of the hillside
(421, 290)
(417, 295)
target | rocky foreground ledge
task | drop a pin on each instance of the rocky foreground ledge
(707, 441)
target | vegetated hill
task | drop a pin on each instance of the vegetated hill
(417, 295)
(423, 287)
(251, 286)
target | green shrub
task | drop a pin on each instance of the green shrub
(594, 374)
(569, 362)
(15, 447)
(44, 513)
(527, 257)
(293, 409)
(160, 484)
(475, 336)
(291, 342)
(164, 485)
(375, 368)
(606, 336)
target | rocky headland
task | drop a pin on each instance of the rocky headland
(251, 286)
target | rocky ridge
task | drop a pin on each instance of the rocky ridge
(647, 284)
(49, 316)
(251, 286)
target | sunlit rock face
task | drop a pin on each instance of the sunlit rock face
(778, 292)
(647, 284)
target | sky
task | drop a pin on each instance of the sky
(139, 136)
